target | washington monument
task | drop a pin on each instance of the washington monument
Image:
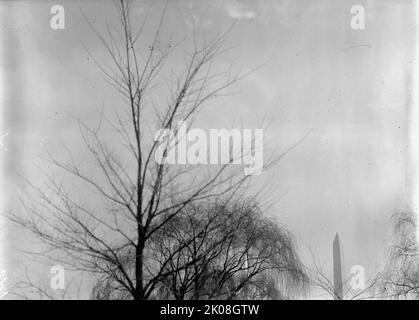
(337, 269)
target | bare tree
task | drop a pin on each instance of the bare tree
(30, 285)
(400, 279)
(222, 250)
(134, 200)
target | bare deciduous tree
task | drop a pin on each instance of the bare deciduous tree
(222, 250)
(400, 279)
(133, 200)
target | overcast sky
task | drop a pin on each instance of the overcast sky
(348, 88)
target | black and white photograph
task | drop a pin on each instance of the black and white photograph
(226, 151)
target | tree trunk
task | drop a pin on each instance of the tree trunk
(139, 262)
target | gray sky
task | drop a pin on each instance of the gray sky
(350, 88)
